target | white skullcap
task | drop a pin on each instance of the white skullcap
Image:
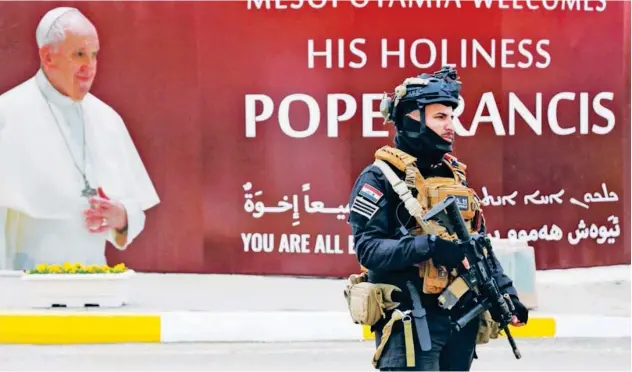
(48, 20)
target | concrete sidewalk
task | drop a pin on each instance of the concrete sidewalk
(182, 307)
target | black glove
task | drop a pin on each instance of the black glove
(521, 312)
(445, 253)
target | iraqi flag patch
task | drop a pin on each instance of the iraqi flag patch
(371, 193)
(365, 203)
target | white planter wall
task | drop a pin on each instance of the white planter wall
(76, 290)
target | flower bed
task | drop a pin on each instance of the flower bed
(77, 268)
(76, 285)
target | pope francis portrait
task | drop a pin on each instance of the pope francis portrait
(70, 176)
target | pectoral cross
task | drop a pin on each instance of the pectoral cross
(88, 191)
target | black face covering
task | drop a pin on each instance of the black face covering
(421, 142)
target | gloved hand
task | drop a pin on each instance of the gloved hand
(445, 253)
(521, 312)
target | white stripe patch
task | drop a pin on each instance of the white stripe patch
(364, 207)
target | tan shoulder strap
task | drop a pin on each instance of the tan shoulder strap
(412, 204)
(398, 158)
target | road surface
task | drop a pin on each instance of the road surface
(538, 355)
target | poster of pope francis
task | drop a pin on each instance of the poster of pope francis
(71, 178)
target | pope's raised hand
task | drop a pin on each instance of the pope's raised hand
(104, 214)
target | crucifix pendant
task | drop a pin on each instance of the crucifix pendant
(87, 190)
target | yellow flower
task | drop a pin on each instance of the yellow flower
(120, 268)
(57, 269)
(41, 268)
(77, 268)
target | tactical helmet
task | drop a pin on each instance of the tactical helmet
(440, 87)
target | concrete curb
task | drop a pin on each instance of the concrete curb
(67, 327)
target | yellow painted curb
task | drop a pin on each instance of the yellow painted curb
(536, 327)
(78, 328)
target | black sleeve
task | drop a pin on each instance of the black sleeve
(369, 219)
(504, 282)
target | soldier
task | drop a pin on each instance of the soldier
(410, 265)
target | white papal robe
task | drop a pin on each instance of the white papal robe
(41, 206)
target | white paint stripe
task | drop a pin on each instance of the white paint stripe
(273, 326)
(591, 326)
(258, 326)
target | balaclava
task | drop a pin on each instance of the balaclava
(415, 138)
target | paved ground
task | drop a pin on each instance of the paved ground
(559, 292)
(538, 354)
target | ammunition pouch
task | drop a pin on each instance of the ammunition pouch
(488, 329)
(368, 302)
(453, 293)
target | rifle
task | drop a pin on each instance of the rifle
(479, 275)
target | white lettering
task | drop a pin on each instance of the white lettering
(488, 3)
(258, 4)
(312, 53)
(294, 243)
(552, 114)
(360, 3)
(603, 112)
(313, 114)
(542, 52)
(251, 116)
(533, 121)
(444, 55)
(399, 53)
(550, 5)
(488, 101)
(258, 242)
(432, 51)
(333, 117)
(343, 107)
(350, 245)
(369, 114)
(505, 53)
(329, 52)
(477, 48)
(328, 244)
(358, 53)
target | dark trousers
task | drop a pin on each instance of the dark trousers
(451, 350)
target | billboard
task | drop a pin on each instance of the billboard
(254, 119)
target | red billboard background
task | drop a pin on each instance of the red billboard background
(211, 92)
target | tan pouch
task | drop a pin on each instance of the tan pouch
(488, 329)
(367, 302)
(464, 198)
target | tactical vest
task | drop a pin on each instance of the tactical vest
(431, 191)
